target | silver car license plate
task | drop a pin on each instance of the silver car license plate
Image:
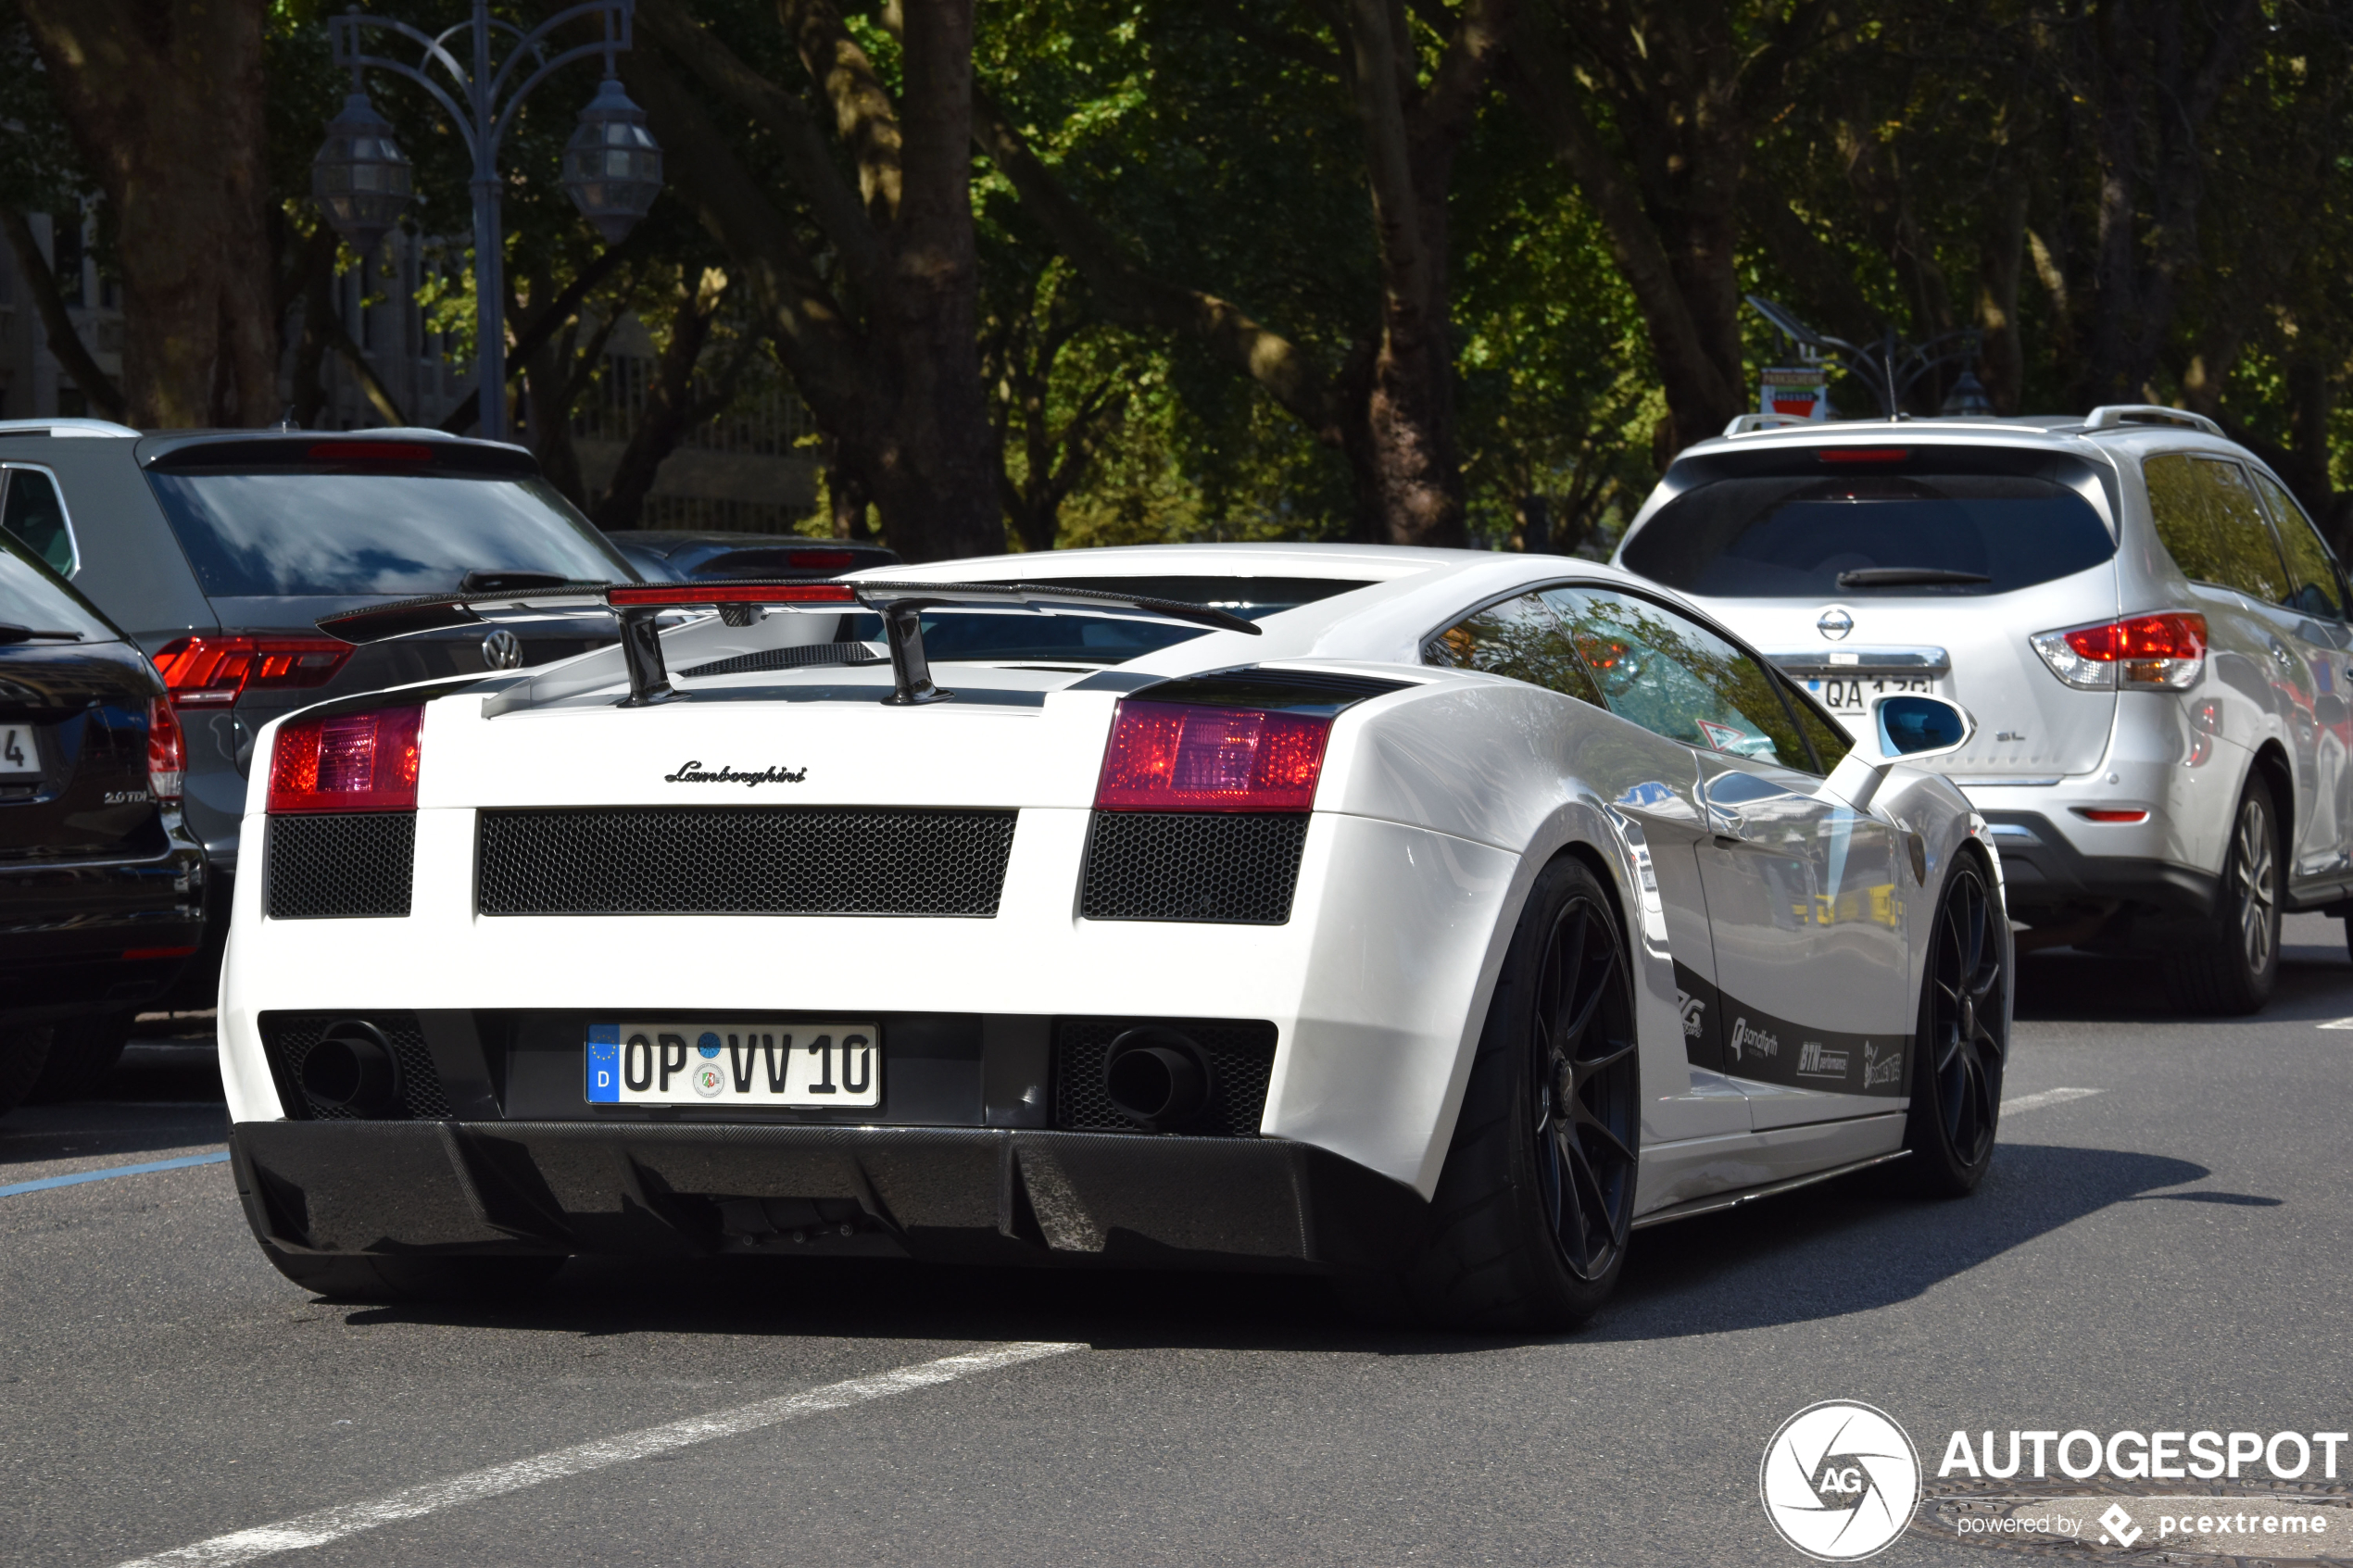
(1849, 697)
(826, 1065)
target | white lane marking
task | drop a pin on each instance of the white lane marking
(334, 1523)
(2037, 1101)
(2338, 1024)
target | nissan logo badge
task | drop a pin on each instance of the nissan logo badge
(1834, 624)
(502, 650)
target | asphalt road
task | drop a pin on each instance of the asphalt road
(2166, 1252)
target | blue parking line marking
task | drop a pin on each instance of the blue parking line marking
(80, 1176)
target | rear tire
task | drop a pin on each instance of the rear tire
(1963, 1038)
(1529, 1227)
(2232, 969)
(24, 1052)
(382, 1279)
(82, 1053)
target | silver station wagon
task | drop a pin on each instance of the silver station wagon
(2148, 630)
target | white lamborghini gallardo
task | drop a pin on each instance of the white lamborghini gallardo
(1431, 919)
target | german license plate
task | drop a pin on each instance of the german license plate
(17, 754)
(1849, 697)
(818, 1066)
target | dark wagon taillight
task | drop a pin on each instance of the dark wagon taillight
(349, 763)
(167, 751)
(215, 671)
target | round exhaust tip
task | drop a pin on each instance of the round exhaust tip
(352, 1068)
(1157, 1077)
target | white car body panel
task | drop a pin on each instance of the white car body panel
(1438, 806)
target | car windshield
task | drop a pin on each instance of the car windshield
(297, 532)
(1912, 527)
(1087, 639)
(36, 599)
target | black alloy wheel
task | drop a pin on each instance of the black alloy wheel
(1528, 1228)
(2234, 961)
(1582, 1089)
(1964, 1036)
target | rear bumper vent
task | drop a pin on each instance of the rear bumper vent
(1231, 868)
(418, 1095)
(341, 865)
(743, 861)
(1240, 1057)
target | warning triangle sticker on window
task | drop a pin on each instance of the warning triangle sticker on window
(1723, 737)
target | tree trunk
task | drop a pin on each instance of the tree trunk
(932, 474)
(164, 101)
(672, 409)
(2001, 259)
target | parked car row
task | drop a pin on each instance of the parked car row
(160, 597)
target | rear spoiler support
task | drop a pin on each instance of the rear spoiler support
(638, 607)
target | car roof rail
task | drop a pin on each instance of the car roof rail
(2116, 416)
(1747, 422)
(65, 428)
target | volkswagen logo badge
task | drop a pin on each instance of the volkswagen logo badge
(1834, 624)
(502, 650)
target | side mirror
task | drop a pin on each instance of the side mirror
(1912, 727)
(1906, 728)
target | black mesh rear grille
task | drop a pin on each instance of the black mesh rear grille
(286, 1038)
(743, 861)
(1241, 1058)
(800, 657)
(1229, 867)
(340, 865)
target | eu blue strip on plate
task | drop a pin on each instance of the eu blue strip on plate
(80, 1176)
(604, 1063)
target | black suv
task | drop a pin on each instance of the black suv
(219, 550)
(101, 883)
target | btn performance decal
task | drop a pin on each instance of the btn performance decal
(1726, 1034)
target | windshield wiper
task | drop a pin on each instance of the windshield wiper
(11, 633)
(1907, 577)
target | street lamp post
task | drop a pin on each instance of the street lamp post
(613, 166)
(1891, 367)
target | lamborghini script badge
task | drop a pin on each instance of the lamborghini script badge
(695, 772)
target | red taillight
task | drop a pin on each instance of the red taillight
(2163, 652)
(167, 751)
(1863, 453)
(688, 595)
(2142, 636)
(820, 561)
(352, 762)
(2108, 814)
(1178, 757)
(214, 672)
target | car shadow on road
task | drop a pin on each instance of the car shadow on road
(1846, 1247)
(2071, 987)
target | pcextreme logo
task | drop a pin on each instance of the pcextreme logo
(1840, 1481)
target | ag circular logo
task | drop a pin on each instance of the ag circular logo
(709, 1079)
(1840, 1481)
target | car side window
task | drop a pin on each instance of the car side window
(2311, 576)
(2211, 525)
(33, 513)
(1676, 678)
(1522, 638)
(1830, 743)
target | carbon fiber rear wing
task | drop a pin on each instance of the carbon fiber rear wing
(638, 606)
